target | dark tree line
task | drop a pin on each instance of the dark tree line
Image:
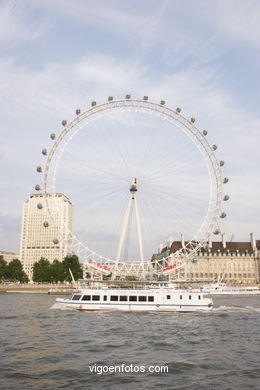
(44, 271)
(12, 271)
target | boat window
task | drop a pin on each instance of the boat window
(95, 297)
(142, 298)
(189, 296)
(168, 297)
(76, 297)
(114, 298)
(133, 298)
(180, 296)
(86, 298)
(105, 297)
(150, 299)
(199, 297)
(123, 298)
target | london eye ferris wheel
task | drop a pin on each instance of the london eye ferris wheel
(136, 172)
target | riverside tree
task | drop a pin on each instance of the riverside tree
(72, 262)
(15, 272)
(56, 272)
(44, 271)
(3, 268)
(41, 271)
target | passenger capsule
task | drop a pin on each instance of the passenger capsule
(44, 152)
(55, 241)
(178, 109)
(53, 136)
(45, 224)
(214, 147)
(225, 180)
(93, 103)
(39, 169)
(221, 163)
(39, 206)
(226, 197)
(192, 120)
(64, 122)
(78, 111)
(110, 98)
(145, 98)
(128, 96)
(204, 132)
(37, 187)
(162, 102)
(223, 215)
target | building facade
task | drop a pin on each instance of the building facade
(234, 263)
(46, 224)
(9, 256)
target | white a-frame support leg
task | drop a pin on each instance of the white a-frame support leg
(139, 233)
(124, 229)
(132, 203)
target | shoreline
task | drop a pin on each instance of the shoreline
(36, 289)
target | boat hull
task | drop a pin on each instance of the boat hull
(66, 304)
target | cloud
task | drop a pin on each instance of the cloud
(169, 50)
(236, 21)
(9, 232)
(19, 22)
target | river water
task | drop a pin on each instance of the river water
(42, 348)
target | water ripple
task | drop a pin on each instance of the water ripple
(53, 349)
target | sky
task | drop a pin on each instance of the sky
(202, 56)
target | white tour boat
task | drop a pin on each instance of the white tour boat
(223, 289)
(151, 298)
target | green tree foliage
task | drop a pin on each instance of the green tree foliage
(56, 272)
(41, 271)
(15, 271)
(3, 268)
(72, 262)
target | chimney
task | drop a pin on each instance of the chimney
(253, 241)
(182, 241)
(169, 242)
(210, 241)
(160, 248)
(224, 240)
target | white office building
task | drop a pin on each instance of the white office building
(46, 223)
